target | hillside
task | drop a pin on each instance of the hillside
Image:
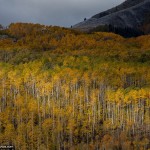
(63, 89)
(126, 4)
(130, 14)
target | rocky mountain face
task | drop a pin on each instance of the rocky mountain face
(126, 4)
(131, 14)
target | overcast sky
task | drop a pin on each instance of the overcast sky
(51, 12)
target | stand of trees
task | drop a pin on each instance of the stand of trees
(91, 91)
(125, 32)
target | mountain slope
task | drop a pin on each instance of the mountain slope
(130, 14)
(126, 4)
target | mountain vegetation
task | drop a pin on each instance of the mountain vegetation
(64, 89)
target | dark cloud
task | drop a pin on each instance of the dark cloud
(51, 12)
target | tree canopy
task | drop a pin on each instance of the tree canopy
(62, 89)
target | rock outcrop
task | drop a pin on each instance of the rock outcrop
(130, 14)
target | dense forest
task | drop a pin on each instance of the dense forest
(66, 90)
(126, 32)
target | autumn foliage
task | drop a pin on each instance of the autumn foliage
(62, 89)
